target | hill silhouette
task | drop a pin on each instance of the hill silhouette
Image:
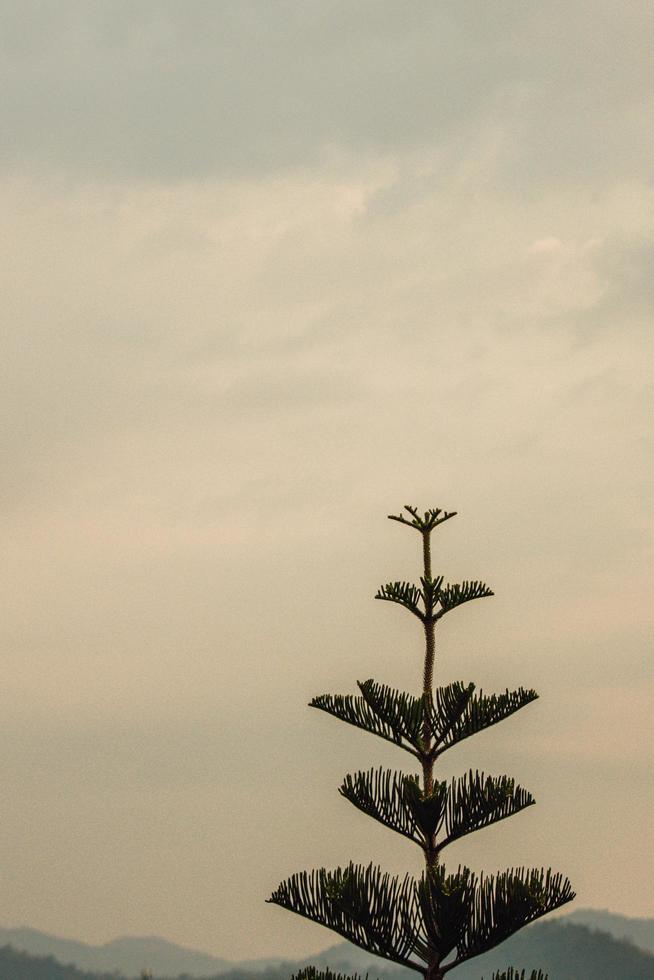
(638, 931)
(15, 965)
(126, 955)
(567, 951)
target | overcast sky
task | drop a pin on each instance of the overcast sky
(271, 270)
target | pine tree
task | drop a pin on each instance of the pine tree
(434, 923)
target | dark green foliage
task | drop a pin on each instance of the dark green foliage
(404, 920)
(402, 712)
(467, 804)
(393, 715)
(439, 921)
(452, 596)
(512, 974)
(375, 911)
(311, 973)
(452, 713)
(436, 598)
(446, 707)
(356, 711)
(481, 711)
(405, 594)
(505, 902)
(476, 800)
(389, 797)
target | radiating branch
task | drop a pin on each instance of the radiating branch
(427, 522)
(440, 918)
(480, 711)
(371, 909)
(397, 801)
(355, 711)
(453, 809)
(404, 594)
(392, 715)
(451, 596)
(402, 712)
(505, 903)
(475, 801)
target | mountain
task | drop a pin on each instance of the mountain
(21, 966)
(638, 931)
(567, 950)
(564, 950)
(128, 955)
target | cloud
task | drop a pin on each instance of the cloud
(269, 271)
(171, 90)
(546, 245)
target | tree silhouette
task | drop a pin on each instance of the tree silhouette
(440, 920)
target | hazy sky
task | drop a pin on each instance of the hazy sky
(271, 270)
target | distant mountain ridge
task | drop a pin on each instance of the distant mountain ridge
(564, 951)
(568, 947)
(22, 966)
(638, 931)
(127, 955)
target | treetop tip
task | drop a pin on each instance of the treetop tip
(425, 523)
